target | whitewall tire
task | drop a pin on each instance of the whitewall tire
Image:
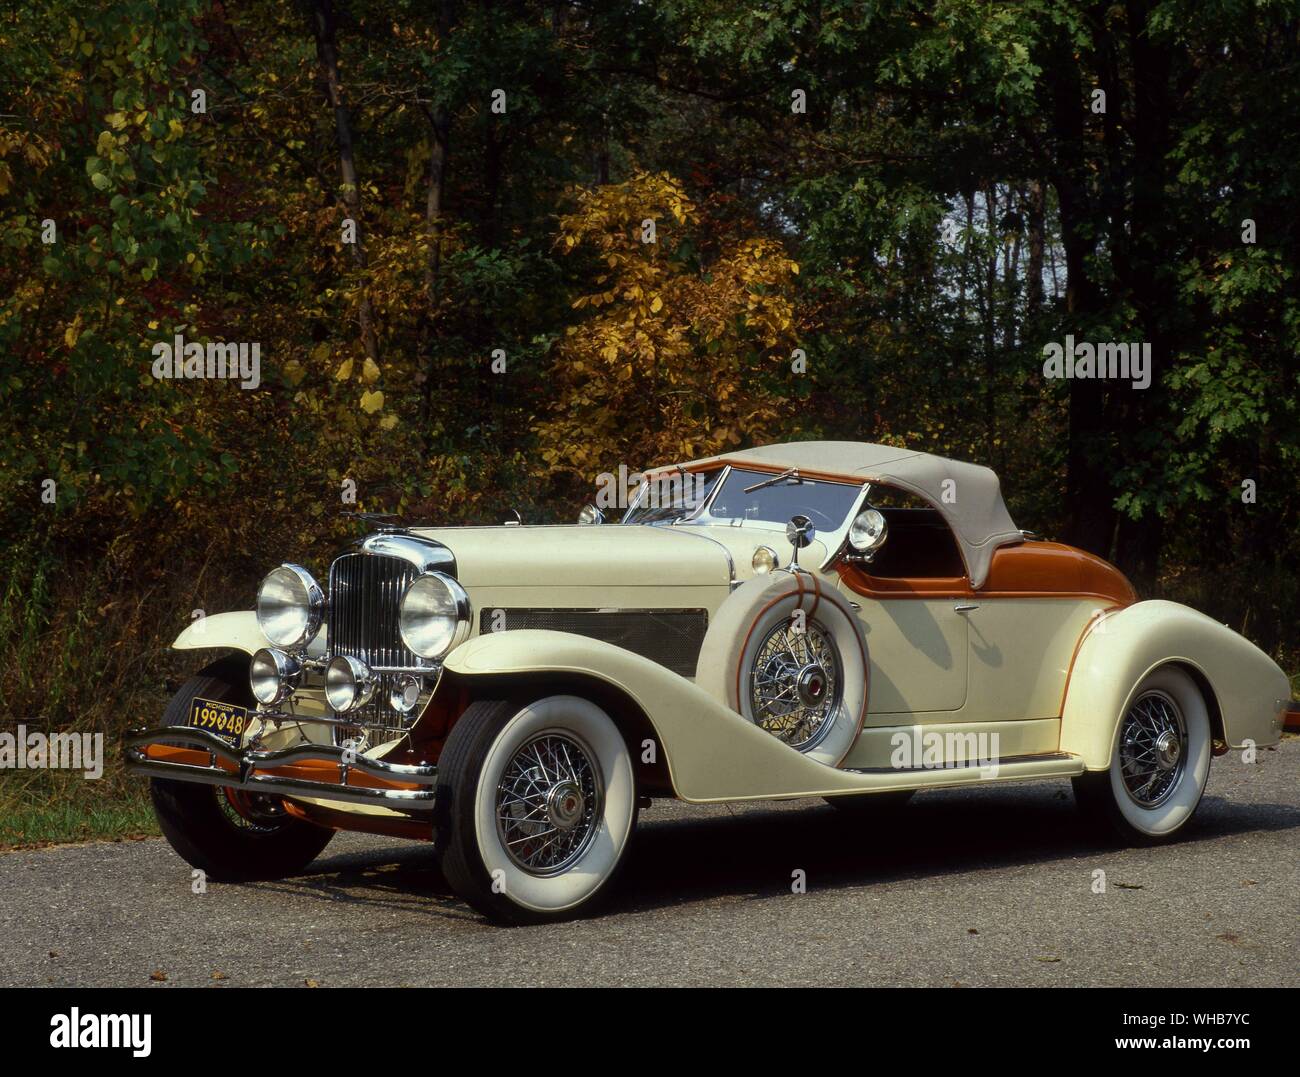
(1160, 761)
(535, 807)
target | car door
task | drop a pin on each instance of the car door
(917, 641)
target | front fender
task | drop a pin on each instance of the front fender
(711, 751)
(1248, 688)
(238, 631)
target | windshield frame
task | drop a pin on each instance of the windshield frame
(705, 513)
(687, 514)
(834, 541)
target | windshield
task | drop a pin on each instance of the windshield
(778, 498)
(671, 496)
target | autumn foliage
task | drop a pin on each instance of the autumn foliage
(678, 354)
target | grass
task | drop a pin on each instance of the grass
(49, 807)
(28, 826)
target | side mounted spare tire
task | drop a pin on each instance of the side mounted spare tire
(807, 687)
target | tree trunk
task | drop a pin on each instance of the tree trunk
(324, 28)
(1090, 500)
(1141, 266)
(990, 315)
(1034, 271)
(439, 120)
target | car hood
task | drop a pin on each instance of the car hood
(572, 555)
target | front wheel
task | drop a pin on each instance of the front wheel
(1159, 763)
(534, 808)
(229, 834)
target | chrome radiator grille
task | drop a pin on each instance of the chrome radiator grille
(365, 593)
(670, 637)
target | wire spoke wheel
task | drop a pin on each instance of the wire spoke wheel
(795, 684)
(1153, 748)
(548, 803)
(254, 812)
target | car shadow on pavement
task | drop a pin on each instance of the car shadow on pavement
(750, 852)
(756, 853)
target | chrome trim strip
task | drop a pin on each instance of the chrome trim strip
(841, 537)
(672, 529)
(974, 764)
(425, 554)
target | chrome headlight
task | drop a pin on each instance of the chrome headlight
(349, 684)
(290, 605)
(273, 674)
(868, 531)
(405, 693)
(435, 615)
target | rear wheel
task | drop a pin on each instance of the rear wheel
(535, 807)
(229, 834)
(1159, 765)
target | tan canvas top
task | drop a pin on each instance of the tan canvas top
(967, 495)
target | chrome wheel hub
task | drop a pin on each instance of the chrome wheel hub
(549, 803)
(1167, 750)
(564, 804)
(794, 687)
(1152, 749)
(811, 684)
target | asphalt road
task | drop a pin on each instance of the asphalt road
(980, 887)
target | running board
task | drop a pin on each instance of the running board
(1017, 768)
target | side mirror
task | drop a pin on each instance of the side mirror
(590, 515)
(800, 531)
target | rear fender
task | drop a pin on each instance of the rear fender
(1246, 687)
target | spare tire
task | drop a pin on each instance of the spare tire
(791, 657)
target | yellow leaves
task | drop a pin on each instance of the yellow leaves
(662, 366)
(105, 144)
(370, 372)
(175, 129)
(388, 422)
(115, 120)
(344, 371)
(73, 332)
(294, 372)
(372, 401)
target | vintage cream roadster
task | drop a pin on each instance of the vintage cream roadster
(822, 619)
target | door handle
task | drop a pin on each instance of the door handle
(966, 607)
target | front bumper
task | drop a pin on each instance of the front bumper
(178, 753)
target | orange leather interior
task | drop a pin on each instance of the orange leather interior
(1027, 570)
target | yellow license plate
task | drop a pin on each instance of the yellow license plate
(227, 720)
